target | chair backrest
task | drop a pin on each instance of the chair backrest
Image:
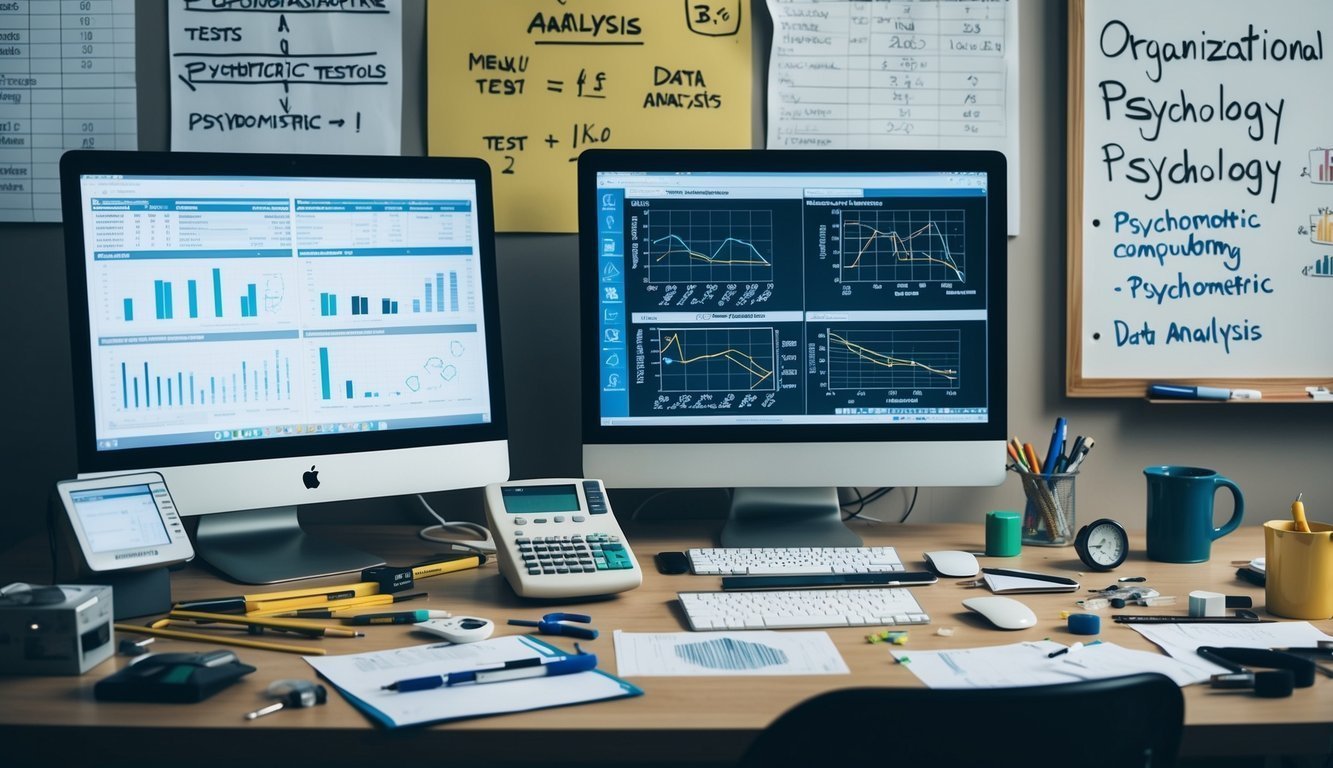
(1124, 721)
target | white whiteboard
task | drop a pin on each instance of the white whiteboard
(1201, 190)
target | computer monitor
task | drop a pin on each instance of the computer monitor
(785, 323)
(268, 331)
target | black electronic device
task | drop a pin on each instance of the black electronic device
(1102, 545)
(173, 677)
(123, 531)
(672, 563)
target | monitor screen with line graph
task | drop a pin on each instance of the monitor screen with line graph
(784, 323)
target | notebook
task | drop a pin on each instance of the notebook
(1010, 581)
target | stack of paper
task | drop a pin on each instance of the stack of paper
(1022, 664)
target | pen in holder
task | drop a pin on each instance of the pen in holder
(1048, 518)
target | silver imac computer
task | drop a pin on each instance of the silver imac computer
(784, 323)
(268, 331)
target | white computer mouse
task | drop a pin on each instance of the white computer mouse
(952, 563)
(1003, 612)
(458, 629)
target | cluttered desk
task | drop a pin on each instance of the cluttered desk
(783, 325)
(693, 707)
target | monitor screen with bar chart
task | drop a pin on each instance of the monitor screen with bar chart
(268, 331)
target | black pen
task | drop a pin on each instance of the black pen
(1028, 575)
(1066, 649)
(1134, 618)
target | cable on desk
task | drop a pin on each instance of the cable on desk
(911, 506)
(634, 515)
(863, 500)
(486, 544)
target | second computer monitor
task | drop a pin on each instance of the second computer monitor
(788, 322)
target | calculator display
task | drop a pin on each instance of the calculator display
(531, 499)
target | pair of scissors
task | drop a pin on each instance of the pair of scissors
(556, 624)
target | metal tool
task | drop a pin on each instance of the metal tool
(296, 694)
(555, 624)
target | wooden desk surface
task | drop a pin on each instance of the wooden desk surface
(678, 719)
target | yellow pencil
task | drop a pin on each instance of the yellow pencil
(204, 638)
(332, 605)
(316, 601)
(296, 625)
(448, 566)
(244, 603)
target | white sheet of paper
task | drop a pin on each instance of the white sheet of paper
(66, 82)
(308, 80)
(645, 654)
(362, 677)
(1021, 664)
(1181, 640)
(916, 74)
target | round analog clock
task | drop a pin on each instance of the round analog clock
(1102, 544)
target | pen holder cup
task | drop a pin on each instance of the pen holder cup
(1048, 518)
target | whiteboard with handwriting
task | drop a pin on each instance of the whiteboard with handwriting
(1201, 238)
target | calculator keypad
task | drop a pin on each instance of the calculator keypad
(572, 554)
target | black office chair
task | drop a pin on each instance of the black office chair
(1124, 721)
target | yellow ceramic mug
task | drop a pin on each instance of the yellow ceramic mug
(1299, 565)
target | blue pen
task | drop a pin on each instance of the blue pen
(510, 670)
(1057, 445)
(1188, 392)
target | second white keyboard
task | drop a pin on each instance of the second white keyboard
(794, 561)
(789, 609)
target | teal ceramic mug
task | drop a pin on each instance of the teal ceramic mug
(1180, 512)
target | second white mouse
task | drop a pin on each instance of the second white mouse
(952, 563)
(458, 629)
(1003, 612)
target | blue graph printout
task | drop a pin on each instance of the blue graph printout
(250, 308)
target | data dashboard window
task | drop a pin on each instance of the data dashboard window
(120, 518)
(792, 298)
(225, 309)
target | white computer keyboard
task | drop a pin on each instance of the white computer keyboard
(787, 609)
(735, 561)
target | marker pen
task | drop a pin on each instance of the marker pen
(1189, 392)
(510, 670)
(396, 617)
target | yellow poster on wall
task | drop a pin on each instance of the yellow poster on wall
(529, 84)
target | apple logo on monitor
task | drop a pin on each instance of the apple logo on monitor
(311, 478)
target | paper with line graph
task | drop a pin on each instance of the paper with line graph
(662, 654)
(896, 74)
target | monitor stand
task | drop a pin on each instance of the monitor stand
(266, 546)
(786, 517)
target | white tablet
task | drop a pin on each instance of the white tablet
(125, 522)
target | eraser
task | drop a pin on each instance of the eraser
(390, 578)
(1204, 603)
(1085, 623)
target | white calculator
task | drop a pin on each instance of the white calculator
(558, 538)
